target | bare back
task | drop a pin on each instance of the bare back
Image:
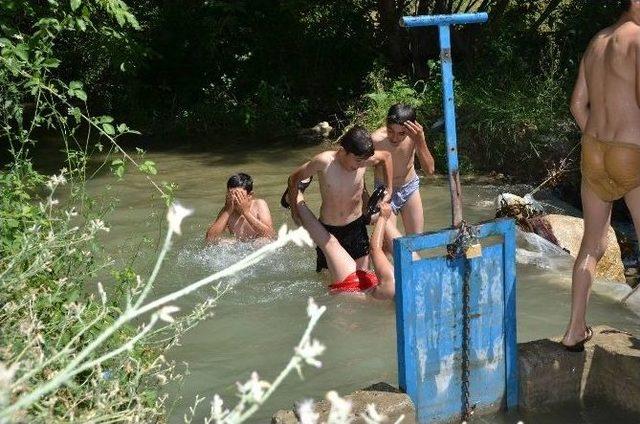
(611, 75)
(341, 191)
(402, 155)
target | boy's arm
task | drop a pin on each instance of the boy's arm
(580, 99)
(416, 132)
(383, 158)
(217, 227)
(261, 223)
(301, 173)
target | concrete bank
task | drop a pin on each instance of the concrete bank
(608, 372)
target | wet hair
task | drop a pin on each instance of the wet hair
(358, 142)
(241, 180)
(624, 5)
(400, 113)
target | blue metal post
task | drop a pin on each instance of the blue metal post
(444, 22)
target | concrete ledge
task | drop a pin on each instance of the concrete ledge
(608, 371)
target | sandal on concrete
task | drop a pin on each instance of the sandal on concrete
(579, 347)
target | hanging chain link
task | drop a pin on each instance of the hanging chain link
(467, 236)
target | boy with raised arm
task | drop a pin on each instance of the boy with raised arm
(244, 216)
(403, 137)
(341, 176)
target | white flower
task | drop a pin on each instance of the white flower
(371, 416)
(282, 232)
(301, 237)
(98, 225)
(175, 215)
(165, 313)
(306, 413)
(313, 311)
(254, 387)
(309, 351)
(6, 375)
(103, 294)
(71, 213)
(217, 413)
(56, 180)
(340, 408)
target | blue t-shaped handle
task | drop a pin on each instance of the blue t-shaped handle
(443, 22)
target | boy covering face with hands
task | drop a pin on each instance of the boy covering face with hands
(243, 215)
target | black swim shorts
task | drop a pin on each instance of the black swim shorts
(353, 237)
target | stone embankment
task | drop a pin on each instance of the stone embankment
(607, 372)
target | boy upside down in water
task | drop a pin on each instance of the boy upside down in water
(347, 276)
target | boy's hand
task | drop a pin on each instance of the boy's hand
(228, 202)
(242, 201)
(416, 132)
(385, 210)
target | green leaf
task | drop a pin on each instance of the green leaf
(4, 42)
(148, 167)
(81, 95)
(75, 4)
(81, 24)
(119, 171)
(51, 63)
(22, 51)
(75, 85)
(108, 128)
(105, 119)
(122, 128)
(76, 113)
(117, 162)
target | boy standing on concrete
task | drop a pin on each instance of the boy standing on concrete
(403, 138)
(341, 176)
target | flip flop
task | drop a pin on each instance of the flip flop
(372, 205)
(579, 347)
(302, 186)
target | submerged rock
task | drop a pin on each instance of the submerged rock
(389, 401)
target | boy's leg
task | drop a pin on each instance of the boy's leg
(413, 214)
(597, 214)
(340, 264)
(361, 263)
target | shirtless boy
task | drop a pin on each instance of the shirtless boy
(341, 176)
(606, 107)
(403, 138)
(243, 215)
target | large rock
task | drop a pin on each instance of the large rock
(568, 231)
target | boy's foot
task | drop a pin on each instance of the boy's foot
(372, 205)
(302, 186)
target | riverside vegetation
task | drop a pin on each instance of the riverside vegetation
(66, 356)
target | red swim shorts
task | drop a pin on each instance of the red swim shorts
(358, 282)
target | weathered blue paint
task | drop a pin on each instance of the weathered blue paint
(429, 322)
(444, 22)
(433, 20)
(429, 301)
(510, 326)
